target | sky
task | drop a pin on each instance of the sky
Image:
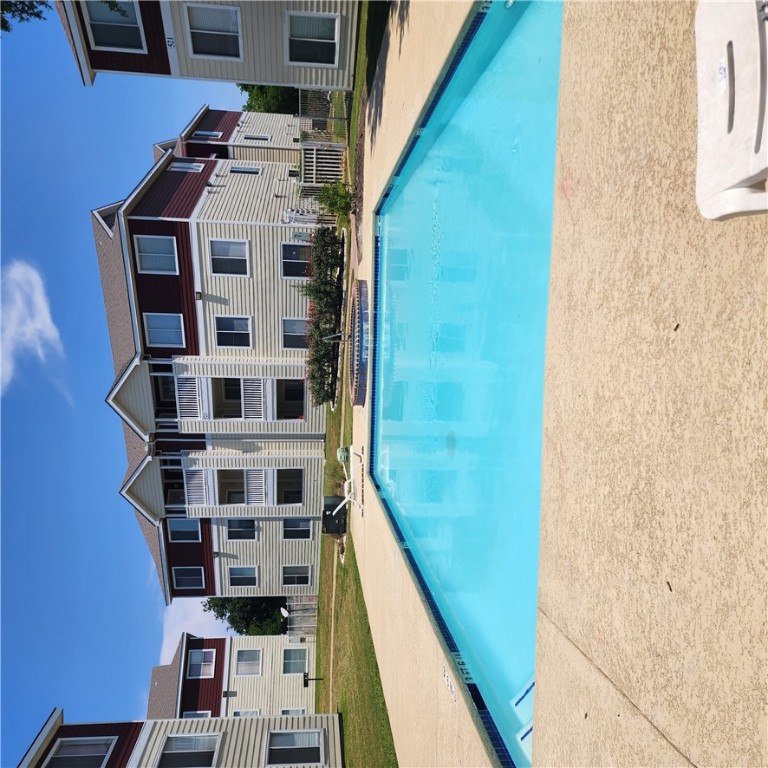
(83, 619)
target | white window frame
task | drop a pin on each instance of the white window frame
(242, 586)
(246, 713)
(188, 32)
(287, 40)
(296, 565)
(257, 137)
(253, 170)
(186, 167)
(282, 260)
(320, 739)
(179, 567)
(237, 662)
(282, 333)
(147, 315)
(137, 252)
(212, 662)
(233, 346)
(83, 740)
(92, 43)
(246, 258)
(171, 520)
(243, 538)
(293, 711)
(205, 135)
(196, 714)
(192, 736)
(309, 528)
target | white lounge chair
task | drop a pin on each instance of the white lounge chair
(343, 455)
(732, 75)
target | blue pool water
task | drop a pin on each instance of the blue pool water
(461, 309)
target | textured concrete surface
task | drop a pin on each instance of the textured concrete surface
(652, 592)
(653, 536)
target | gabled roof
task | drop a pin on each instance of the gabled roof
(114, 284)
(74, 40)
(165, 685)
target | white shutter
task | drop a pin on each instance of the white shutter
(188, 397)
(253, 398)
(255, 486)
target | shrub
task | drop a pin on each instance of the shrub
(324, 292)
(335, 198)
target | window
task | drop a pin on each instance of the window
(290, 399)
(294, 661)
(186, 167)
(296, 260)
(297, 528)
(183, 529)
(114, 30)
(246, 713)
(292, 747)
(245, 169)
(197, 714)
(293, 173)
(201, 663)
(214, 31)
(290, 486)
(293, 711)
(233, 331)
(240, 529)
(242, 577)
(156, 254)
(257, 137)
(189, 751)
(163, 330)
(295, 575)
(312, 39)
(295, 333)
(206, 135)
(229, 257)
(230, 484)
(248, 662)
(188, 578)
(80, 753)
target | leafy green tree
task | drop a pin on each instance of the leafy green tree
(10, 10)
(270, 98)
(249, 615)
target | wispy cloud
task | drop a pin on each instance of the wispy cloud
(27, 326)
(187, 615)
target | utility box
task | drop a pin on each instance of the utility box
(334, 524)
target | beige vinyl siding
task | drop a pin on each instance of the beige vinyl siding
(269, 553)
(134, 397)
(271, 691)
(263, 42)
(263, 295)
(251, 151)
(243, 740)
(253, 199)
(147, 489)
(258, 457)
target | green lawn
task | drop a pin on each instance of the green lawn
(372, 23)
(357, 692)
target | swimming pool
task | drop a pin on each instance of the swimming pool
(461, 286)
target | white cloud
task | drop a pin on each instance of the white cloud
(27, 325)
(187, 615)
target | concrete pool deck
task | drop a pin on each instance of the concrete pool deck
(652, 635)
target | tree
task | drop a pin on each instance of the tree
(270, 98)
(21, 11)
(249, 615)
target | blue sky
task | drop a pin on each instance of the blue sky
(83, 620)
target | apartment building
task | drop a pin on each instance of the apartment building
(300, 43)
(245, 676)
(202, 267)
(220, 742)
